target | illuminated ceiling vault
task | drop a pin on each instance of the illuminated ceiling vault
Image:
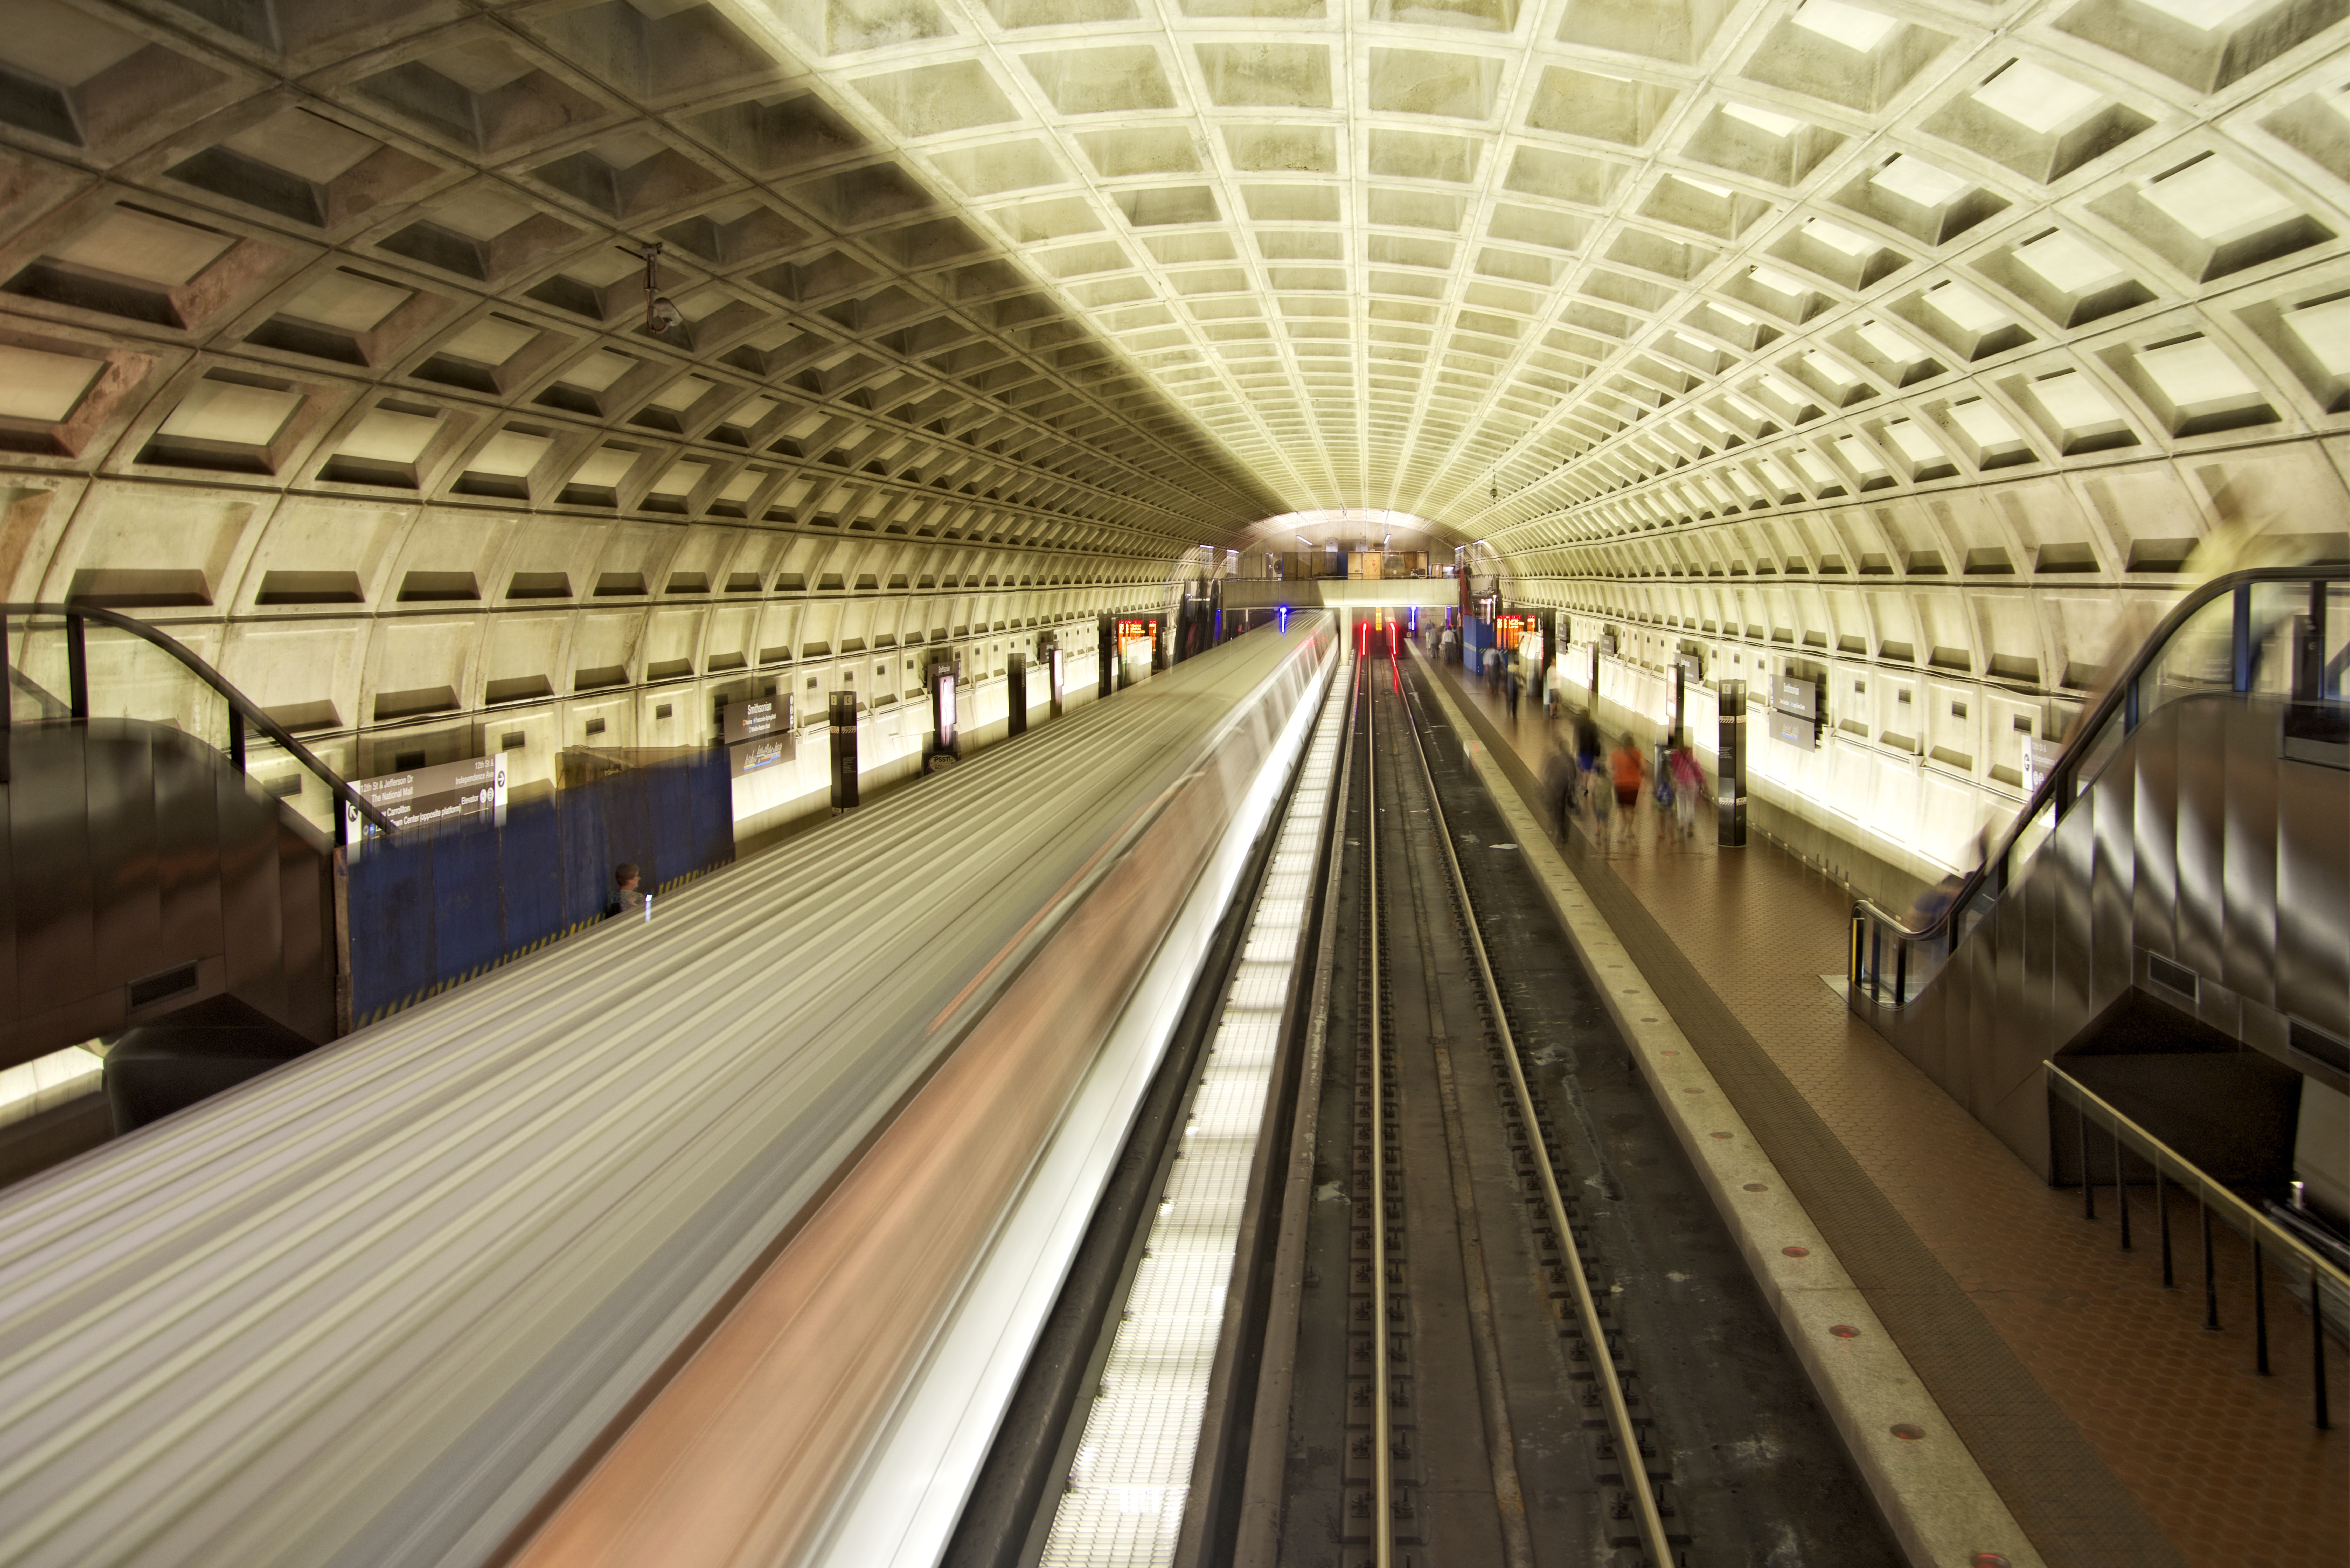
(1422, 256)
(1175, 265)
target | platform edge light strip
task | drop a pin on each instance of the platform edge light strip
(1131, 1479)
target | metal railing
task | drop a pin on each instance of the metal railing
(1915, 954)
(2321, 1284)
(54, 641)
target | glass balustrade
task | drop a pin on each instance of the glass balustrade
(100, 666)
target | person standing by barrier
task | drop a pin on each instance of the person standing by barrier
(1628, 771)
(626, 899)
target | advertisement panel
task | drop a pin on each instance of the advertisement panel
(1794, 729)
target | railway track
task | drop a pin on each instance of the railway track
(1539, 1367)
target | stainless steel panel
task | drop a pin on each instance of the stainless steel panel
(253, 927)
(2198, 818)
(2313, 911)
(2151, 758)
(2071, 855)
(126, 916)
(2251, 844)
(187, 842)
(48, 831)
(2198, 843)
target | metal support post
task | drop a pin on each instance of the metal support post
(844, 750)
(1730, 785)
(2121, 1187)
(2162, 1217)
(2260, 1311)
(77, 666)
(2211, 1278)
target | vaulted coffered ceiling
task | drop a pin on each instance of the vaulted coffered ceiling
(1423, 256)
(1143, 272)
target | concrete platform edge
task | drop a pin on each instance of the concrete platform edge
(1941, 1506)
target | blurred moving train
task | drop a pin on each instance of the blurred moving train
(390, 1303)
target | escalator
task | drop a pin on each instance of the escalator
(2168, 917)
(168, 871)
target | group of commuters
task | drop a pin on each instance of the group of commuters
(1602, 790)
(1503, 669)
(1599, 788)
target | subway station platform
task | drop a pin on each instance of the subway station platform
(2115, 1426)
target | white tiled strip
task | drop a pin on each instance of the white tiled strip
(1132, 1474)
(31, 1087)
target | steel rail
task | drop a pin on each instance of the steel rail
(1382, 1462)
(1586, 1307)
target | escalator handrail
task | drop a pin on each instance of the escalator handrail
(2091, 723)
(239, 703)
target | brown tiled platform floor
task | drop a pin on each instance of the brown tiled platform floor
(2227, 1463)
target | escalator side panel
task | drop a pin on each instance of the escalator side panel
(2152, 766)
(2072, 853)
(2111, 811)
(305, 895)
(48, 831)
(2312, 897)
(2198, 752)
(2000, 1046)
(2198, 845)
(187, 858)
(126, 912)
(2252, 847)
(253, 926)
(12, 992)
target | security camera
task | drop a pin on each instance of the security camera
(661, 315)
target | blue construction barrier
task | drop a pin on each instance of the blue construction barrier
(433, 906)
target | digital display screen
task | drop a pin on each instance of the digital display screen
(1129, 630)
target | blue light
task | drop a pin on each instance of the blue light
(1285, 620)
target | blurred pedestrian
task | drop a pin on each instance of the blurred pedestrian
(1689, 787)
(1510, 682)
(1586, 762)
(1628, 771)
(1559, 774)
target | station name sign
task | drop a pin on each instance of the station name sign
(1795, 711)
(750, 720)
(757, 732)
